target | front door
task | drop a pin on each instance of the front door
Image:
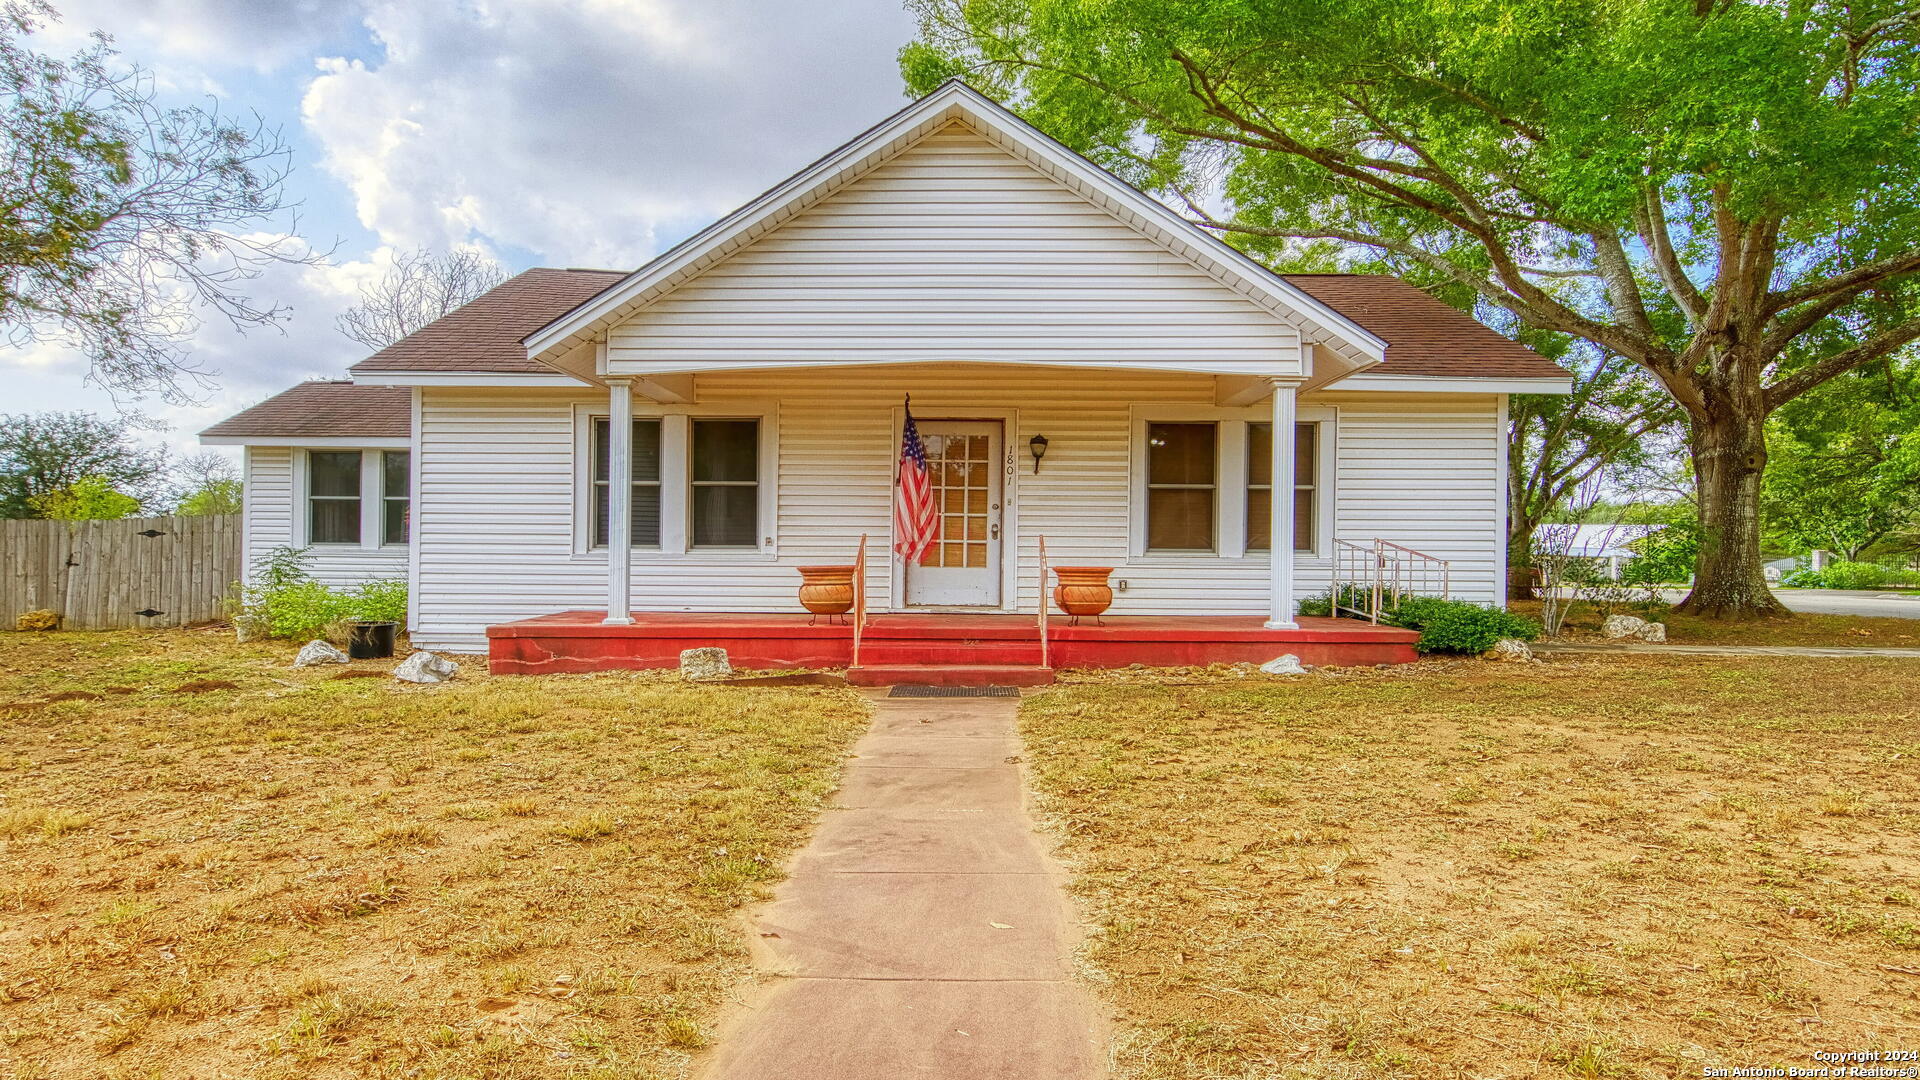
(961, 569)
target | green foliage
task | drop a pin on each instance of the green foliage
(42, 454)
(288, 603)
(1843, 471)
(1841, 574)
(1455, 626)
(90, 498)
(124, 217)
(1726, 194)
(215, 497)
(1666, 556)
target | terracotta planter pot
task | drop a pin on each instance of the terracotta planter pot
(826, 590)
(1082, 590)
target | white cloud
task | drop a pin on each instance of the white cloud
(589, 131)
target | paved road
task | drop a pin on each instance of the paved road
(1877, 602)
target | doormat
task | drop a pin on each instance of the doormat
(910, 690)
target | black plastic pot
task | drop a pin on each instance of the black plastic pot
(371, 640)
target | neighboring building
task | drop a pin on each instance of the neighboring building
(1016, 291)
(1609, 547)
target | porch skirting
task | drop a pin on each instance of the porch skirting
(576, 641)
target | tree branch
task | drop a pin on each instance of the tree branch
(1840, 363)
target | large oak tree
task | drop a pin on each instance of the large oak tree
(1722, 191)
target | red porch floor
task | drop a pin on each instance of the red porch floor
(919, 648)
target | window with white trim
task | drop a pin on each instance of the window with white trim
(333, 496)
(1182, 486)
(361, 498)
(1306, 473)
(725, 461)
(396, 496)
(702, 481)
(646, 482)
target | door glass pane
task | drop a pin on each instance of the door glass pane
(333, 472)
(726, 450)
(726, 516)
(1180, 453)
(1180, 519)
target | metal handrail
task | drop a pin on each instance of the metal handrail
(1046, 656)
(859, 597)
(1383, 573)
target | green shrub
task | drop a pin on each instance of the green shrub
(1850, 575)
(285, 600)
(1455, 626)
(1666, 556)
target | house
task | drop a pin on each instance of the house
(669, 445)
(1607, 548)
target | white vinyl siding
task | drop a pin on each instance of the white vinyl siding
(498, 488)
(953, 250)
(270, 505)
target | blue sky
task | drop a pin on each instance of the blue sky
(547, 132)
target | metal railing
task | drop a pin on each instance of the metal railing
(1372, 578)
(859, 597)
(1046, 657)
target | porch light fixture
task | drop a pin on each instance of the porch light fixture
(1038, 446)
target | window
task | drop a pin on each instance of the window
(1181, 486)
(726, 483)
(333, 497)
(646, 482)
(396, 476)
(1306, 469)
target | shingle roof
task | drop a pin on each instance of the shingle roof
(485, 334)
(329, 408)
(1424, 336)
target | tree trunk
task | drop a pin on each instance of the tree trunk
(1729, 456)
(1519, 563)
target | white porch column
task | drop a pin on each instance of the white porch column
(619, 503)
(1280, 543)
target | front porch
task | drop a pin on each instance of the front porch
(929, 648)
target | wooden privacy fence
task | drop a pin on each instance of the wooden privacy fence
(104, 575)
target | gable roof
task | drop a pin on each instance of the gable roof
(954, 100)
(1425, 337)
(329, 409)
(485, 334)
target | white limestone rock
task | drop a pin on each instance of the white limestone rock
(707, 663)
(1654, 631)
(1622, 626)
(1510, 649)
(1285, 664)
(318, 652)
(425, 667)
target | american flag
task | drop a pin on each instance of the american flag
(916, 520)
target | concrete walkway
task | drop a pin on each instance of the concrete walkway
(924, 932)
(1718, 650)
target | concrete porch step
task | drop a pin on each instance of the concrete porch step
(950, 675)
(893, 653)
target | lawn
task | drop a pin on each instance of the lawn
(1820, 631)
(1632, 866)
(213, 865)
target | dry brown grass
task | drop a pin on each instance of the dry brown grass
(1597, 867)
(1817, 631)
(282, 873)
